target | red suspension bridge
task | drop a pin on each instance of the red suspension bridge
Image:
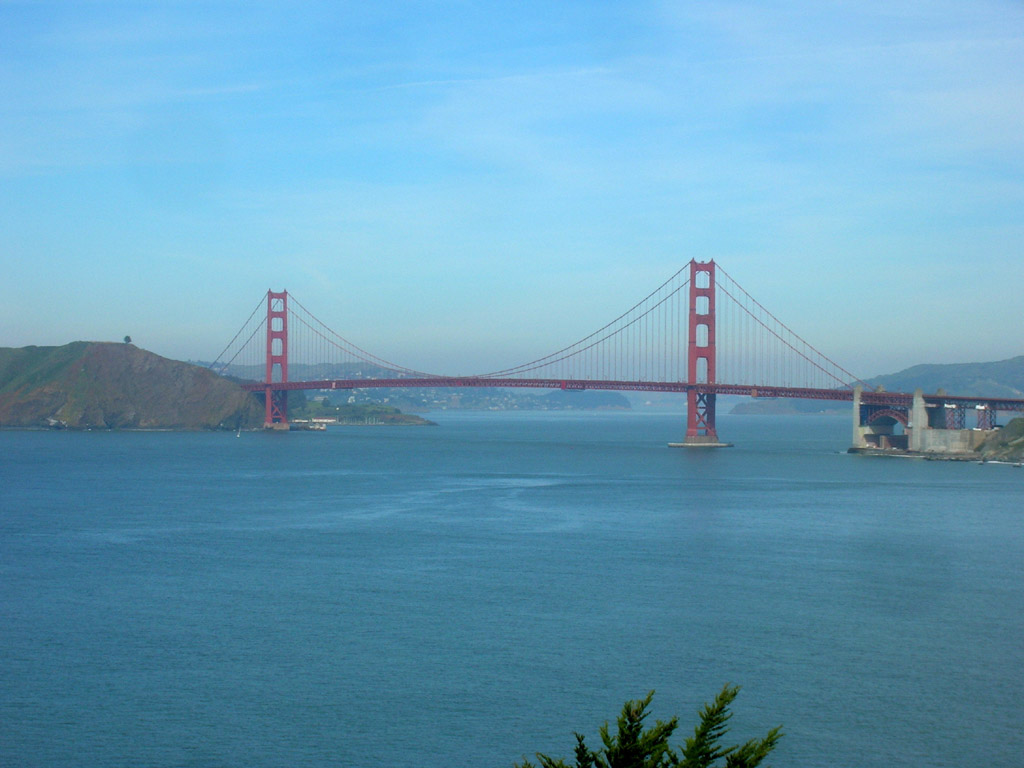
(698, 333)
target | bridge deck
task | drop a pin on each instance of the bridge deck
(901, 399)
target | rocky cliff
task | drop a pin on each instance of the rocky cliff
(1007, 444)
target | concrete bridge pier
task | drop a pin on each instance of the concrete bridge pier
(919, 423)
(930, 424)
(874, 427)
(930, 428)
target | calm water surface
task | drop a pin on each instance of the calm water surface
(468, 594)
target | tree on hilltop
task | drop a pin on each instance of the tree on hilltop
(632, 746)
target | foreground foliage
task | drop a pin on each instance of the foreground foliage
(632, 746)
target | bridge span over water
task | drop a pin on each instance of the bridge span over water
(699, 334)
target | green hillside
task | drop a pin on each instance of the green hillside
(116, 386)
(1004, 378)
(1007, 444)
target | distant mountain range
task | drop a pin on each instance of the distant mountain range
(1003, 378)
(438, 398)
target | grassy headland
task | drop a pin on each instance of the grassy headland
(105, 385)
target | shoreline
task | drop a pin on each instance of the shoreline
(896, 453)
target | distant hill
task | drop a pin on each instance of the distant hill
(116, 386)
(1004, 378)
(769, 406)
(439, 398)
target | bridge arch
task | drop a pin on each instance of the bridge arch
(888, 417)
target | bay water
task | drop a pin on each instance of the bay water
(471, 593)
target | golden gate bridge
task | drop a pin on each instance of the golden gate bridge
(699, 333)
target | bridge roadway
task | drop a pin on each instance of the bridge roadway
(899, 399)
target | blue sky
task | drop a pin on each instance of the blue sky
(463, 186)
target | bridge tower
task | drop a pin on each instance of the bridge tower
(700, 368)
(277, 360)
